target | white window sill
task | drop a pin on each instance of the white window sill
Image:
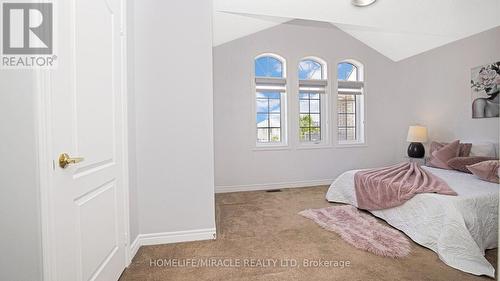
(306, 146)
(351, 145)
(271, 147)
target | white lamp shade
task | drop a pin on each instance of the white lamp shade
(417, 134)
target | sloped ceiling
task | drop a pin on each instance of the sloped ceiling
(229, 26)
(396, 28)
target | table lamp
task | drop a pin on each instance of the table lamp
(416, 136)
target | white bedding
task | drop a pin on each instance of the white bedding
(458, 228)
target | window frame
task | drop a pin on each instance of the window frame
(360, 103)
(317, 86)
(283, 143)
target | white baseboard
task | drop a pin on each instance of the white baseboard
(134, 247)
(170, 237)
(270, 186)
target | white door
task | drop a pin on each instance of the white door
(86, 120)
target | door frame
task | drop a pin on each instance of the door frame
(45, 163)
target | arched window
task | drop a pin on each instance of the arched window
(269, 66)
(312, 100)
(270, 88)
(347, 72)
(350, 102)
(310, 69)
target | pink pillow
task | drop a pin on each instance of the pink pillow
(441, 156)
(464, 151)
(461, 163)
(486, 170)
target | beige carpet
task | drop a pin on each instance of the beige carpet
(265, 225)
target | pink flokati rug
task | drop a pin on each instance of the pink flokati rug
(361, 230)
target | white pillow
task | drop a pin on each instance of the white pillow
(486, 149)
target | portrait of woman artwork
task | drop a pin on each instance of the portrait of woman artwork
(485, 84)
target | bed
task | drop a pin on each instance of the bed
(458, 228)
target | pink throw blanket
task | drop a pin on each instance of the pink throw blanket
(392, 186)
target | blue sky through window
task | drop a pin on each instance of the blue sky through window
(310, 70)
(347, 72)
(267, 103)
(268, 67)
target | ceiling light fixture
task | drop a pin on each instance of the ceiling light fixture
(362, 3)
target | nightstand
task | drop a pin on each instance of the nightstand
(421, 161)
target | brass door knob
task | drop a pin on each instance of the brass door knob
(65, 160)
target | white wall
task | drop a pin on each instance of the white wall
(132, 147)
(238, 164)
(173, 115)
(20, 229)
(437, 87)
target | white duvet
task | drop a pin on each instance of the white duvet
(458, 228)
